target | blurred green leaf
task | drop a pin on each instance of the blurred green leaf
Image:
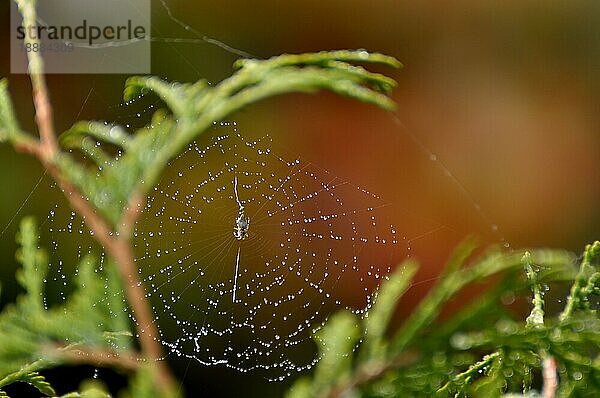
(89, 389)
(33, 378)
(336, 341)
(387, 297)
(31, 276)
(143, 385)
(8, 123)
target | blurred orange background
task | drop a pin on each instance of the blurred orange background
(497, 132)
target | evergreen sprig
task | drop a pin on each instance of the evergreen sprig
(481, 351)
(33, 337)
(586, 283)
(33, 378)
(92, 325)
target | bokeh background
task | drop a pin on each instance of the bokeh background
(497, 132)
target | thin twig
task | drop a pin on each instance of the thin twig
(29, 147)
(131, 214)
(83, 355)
(550, 377)
(148, 334)
(43, 109)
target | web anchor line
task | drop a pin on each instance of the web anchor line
(235, 277)
(204, 38)
(448, 173)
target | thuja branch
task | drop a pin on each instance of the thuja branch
(41, 99)
(417, 360)
(536, 317)
(117, 246)
(104, 358)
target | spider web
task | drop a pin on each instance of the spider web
(253, 303)
(316, 243)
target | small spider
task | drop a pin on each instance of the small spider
(240, 229)
(242, 222)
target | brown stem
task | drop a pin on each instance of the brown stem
(148, 334)
(29, 147)
(131, 214)
(44, 119)
(83, 355)
(43, 109)
(550, 376)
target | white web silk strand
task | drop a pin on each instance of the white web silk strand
(235, 277)
(237, 198)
